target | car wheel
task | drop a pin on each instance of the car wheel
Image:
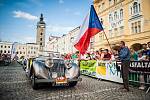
(72, 84)
(34, 84)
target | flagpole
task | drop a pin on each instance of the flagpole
(108, 41)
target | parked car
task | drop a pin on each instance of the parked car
(5, 59)
(54, 70)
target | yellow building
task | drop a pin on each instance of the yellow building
(127, 20)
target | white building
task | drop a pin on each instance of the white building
(63, 44)
(27, 50)
(32, 50)
(5, 47)
(52, 44)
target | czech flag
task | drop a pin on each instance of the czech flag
(90, 27)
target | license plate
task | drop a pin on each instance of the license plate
(61, 81)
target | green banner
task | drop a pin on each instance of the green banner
(88, 67)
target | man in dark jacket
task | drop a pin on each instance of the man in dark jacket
(124, 56)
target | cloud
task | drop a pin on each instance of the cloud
(59, 29)
(61, 1)
(24, 15)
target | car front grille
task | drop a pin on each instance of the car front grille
(59, 68)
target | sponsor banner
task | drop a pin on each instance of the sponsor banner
(108, 70)
(111, 70)
(88, 67)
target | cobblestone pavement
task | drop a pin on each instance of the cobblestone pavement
(14, 85)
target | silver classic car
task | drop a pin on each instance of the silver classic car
(54, 70)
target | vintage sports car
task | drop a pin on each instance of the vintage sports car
(54, 70)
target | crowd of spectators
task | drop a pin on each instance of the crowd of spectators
(104, 54)
(142, 54)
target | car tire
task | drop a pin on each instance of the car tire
(72, 84)
(34, 84)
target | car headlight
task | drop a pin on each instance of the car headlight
(49, 63)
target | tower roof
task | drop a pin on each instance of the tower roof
(41, 19)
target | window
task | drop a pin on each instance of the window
(1, 51)
(4, 51)
(41, 39)
(132, 27)
(139, 7)
(136, 30)
(41, 33)
(1, 46)
(131, 10)
(28, 52)
(136, 27)
(8, 46)
(109, 2)
(110, 18)
(5, 46)
(135, 8)
(99, 7)
(115, 1)
(34, 52)
(103, 6)
(121, 13)
(31, 47)
(20, 52)
(8, 51)
(40, 43)
(115, 15)
(101, 20)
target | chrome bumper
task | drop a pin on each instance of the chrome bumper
(53, 80)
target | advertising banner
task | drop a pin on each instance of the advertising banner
(88, 67)
(107, 70)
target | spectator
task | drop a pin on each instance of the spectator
(124, 55)
(141, 57)
(88, 57)
(107, 55)
(97, 55)
(100, 53)
(148, 52)
(134, 55)
(144, 52)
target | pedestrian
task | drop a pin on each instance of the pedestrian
(124, 56)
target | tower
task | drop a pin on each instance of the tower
(40, 37)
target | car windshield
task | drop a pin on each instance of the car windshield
(44, 58)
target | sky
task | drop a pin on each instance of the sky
(18, 18)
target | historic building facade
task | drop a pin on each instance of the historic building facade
(127, 20)
(63, 44)
(40, 37)
(27, 50)
(5, 47)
